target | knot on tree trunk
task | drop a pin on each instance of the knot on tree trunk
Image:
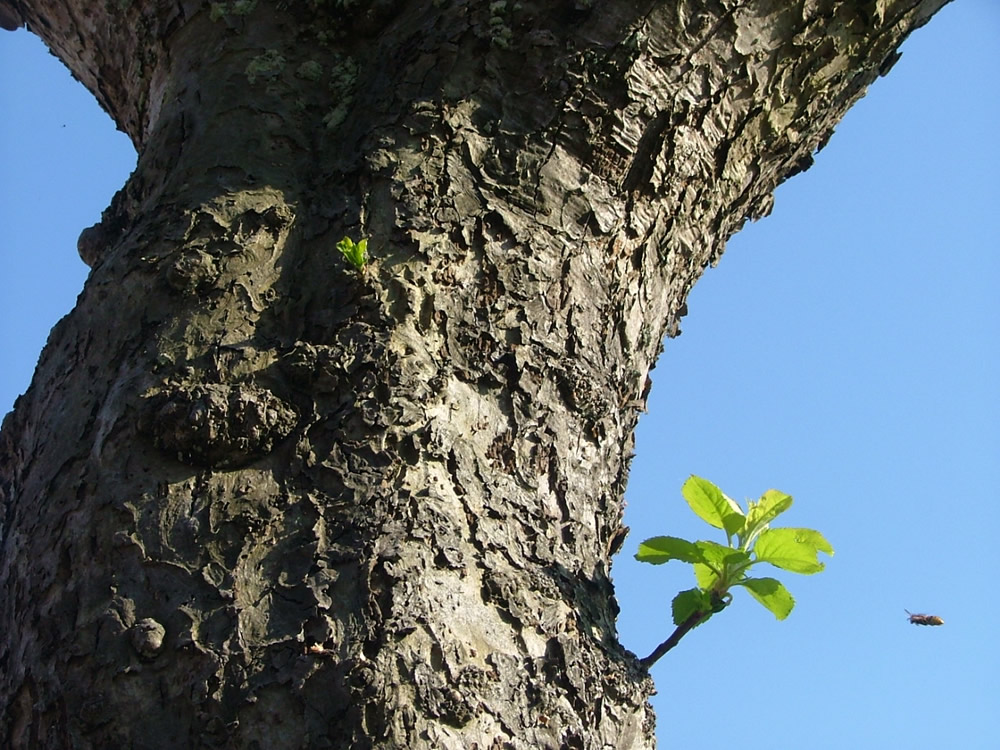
(217, 425)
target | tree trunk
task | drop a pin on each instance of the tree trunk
(255, 497)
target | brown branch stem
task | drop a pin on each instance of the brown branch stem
(696, 618)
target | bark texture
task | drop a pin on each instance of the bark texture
(256, 498)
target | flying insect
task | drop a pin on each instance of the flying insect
(924, 619)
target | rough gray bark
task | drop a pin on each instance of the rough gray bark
(254, 498)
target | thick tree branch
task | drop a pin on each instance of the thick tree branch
(254, 500)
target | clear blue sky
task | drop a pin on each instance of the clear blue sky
(846, 351)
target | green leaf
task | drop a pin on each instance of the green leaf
(355, 253)
(705, 576)
(796, 550)
(771, 504)
(712, 505)
(688, 603)
(719, 554)
(719, 563)
(661, 549)
(770, 593)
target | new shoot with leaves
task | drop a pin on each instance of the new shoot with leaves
(355, 253)
(717, 567)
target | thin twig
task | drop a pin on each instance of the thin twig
(695, 619)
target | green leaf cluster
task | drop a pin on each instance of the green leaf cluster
(749, 541)
(355, 253)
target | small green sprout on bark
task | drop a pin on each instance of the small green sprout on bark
(356, 254)
(717, 567)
